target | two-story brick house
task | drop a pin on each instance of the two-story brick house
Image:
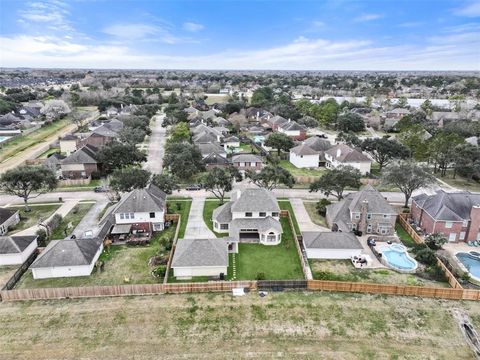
(252, 215)
(366, 211)
(456, 215)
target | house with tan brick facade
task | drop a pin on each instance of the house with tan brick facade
(456, 215)
(366, 211)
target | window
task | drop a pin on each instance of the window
(369, 216)
(275, 214)
(122, 216)
(215, 225)
(271, 237)
(354, 226)
(462, 235)
(248, 214)
(223, 226)
(448, 224)
(386, 216)
(262, 214)
(152, 215)
(357, 216)
(369, 228)
(132, 216)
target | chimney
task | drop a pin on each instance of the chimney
(339, 152)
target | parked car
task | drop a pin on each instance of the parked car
(194, 187)
(100, 189)
(323, 136)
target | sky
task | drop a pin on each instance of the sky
(243, 35)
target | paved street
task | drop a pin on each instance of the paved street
(303, 219)
(196, 228)
(156, 146)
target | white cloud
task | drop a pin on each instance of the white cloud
(471, 9)
(368, 17)
(410, 24)
(193, 27)
(132, 31)
(50, 14)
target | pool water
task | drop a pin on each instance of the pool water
(472, 263)
(397, 257)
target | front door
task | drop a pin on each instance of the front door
(452, 237)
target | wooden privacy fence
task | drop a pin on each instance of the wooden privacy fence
(174, 246)
(122, 290)
(452, 280)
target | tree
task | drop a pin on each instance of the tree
(129, 179)
(116, 155)
(55, 109)
(262, 97)
(435, 241)
(270, 177)
(335, 181)
(416, 139)
(442, 150)
(180, 133)
(166, 183)
(466, 161)
(349, 138)
(219, 181)
(279, 141)
(427, 107)
(350, 122)
(402, 102)
(132, 135)
(407, 176)
(308, 121)
(384, 150)
(321, 206)
(25, 180)
(184, 160)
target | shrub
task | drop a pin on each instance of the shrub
(42, 237)
(426, 256)
(435, 241)
(54, 222)
(95, 175)
(321, 206)
(160, 271)
(260, 276)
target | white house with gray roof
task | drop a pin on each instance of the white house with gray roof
(343, 155)
(200, 257)
(303, 156)
(15, 250)
(252, 215)
(67, 258)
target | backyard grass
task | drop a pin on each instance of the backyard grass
(287, 165)
(343, 270)
(32, 217)
(49, 152)
(73, 218)
(404, 237)
(91, 185)
(208, 209)
(22, 143)
(6, 272)
(314, 215)
(273, 262)
(285, 205)
(288, 325)
(183, 208)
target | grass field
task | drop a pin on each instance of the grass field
(6, 272)
(32, 217)
(290, 325)
(275, 262)
(314, 215)
(287, 165)
(73, 217)
(461, 182)
(404, 237)
(285, 205)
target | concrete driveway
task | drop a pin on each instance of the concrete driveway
(196, 227)
(156, 146)
(303, 219)
(90, 220)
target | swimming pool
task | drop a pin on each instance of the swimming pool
(396, 257)
(470, 262)
(3, 138)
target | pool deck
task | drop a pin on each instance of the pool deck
(454, 248)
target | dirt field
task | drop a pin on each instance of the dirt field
(217, 326)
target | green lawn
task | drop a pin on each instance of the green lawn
(207, 215)
(314, 215)
(404, 237)
(287, 165)
(49, 152)
(285, 205)
(32, 217)
(275, 262)
(24, 142)
(183, 208)
(73, 217)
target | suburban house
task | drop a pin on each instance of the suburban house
(216, 160)
(331, 245)
(252, 215)
(247, 162)
(231, 142)
(303, 156)
(68, 144)
(200, 257)
(293, 129)
(456, 215)
(366, 211)
(392, 117)
(105, 133)
(276, 121)
(139, 212)
(80, 164)
(211, 148)
(344, 155)
(8, 218)
(15, 250)
(67, 258)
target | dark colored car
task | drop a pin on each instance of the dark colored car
(194, 187)
(323, 136)
(100, 189)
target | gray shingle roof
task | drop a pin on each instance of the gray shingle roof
(6, 214)
(330, 240)
(292, 126)
(223, 214)
(105, 131)
(246, 158)
(68, 253)
(303, 150)
(376, 202)
(255, 199)
(200, 252)
(204, 138)
(85, 155)
(216, 159)
(347, 154)
(15, 244)
(277, 120)
(207, 149)
(261, 224)
(448, 206)
(318, 144)
(338, 213)
(150, 199)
